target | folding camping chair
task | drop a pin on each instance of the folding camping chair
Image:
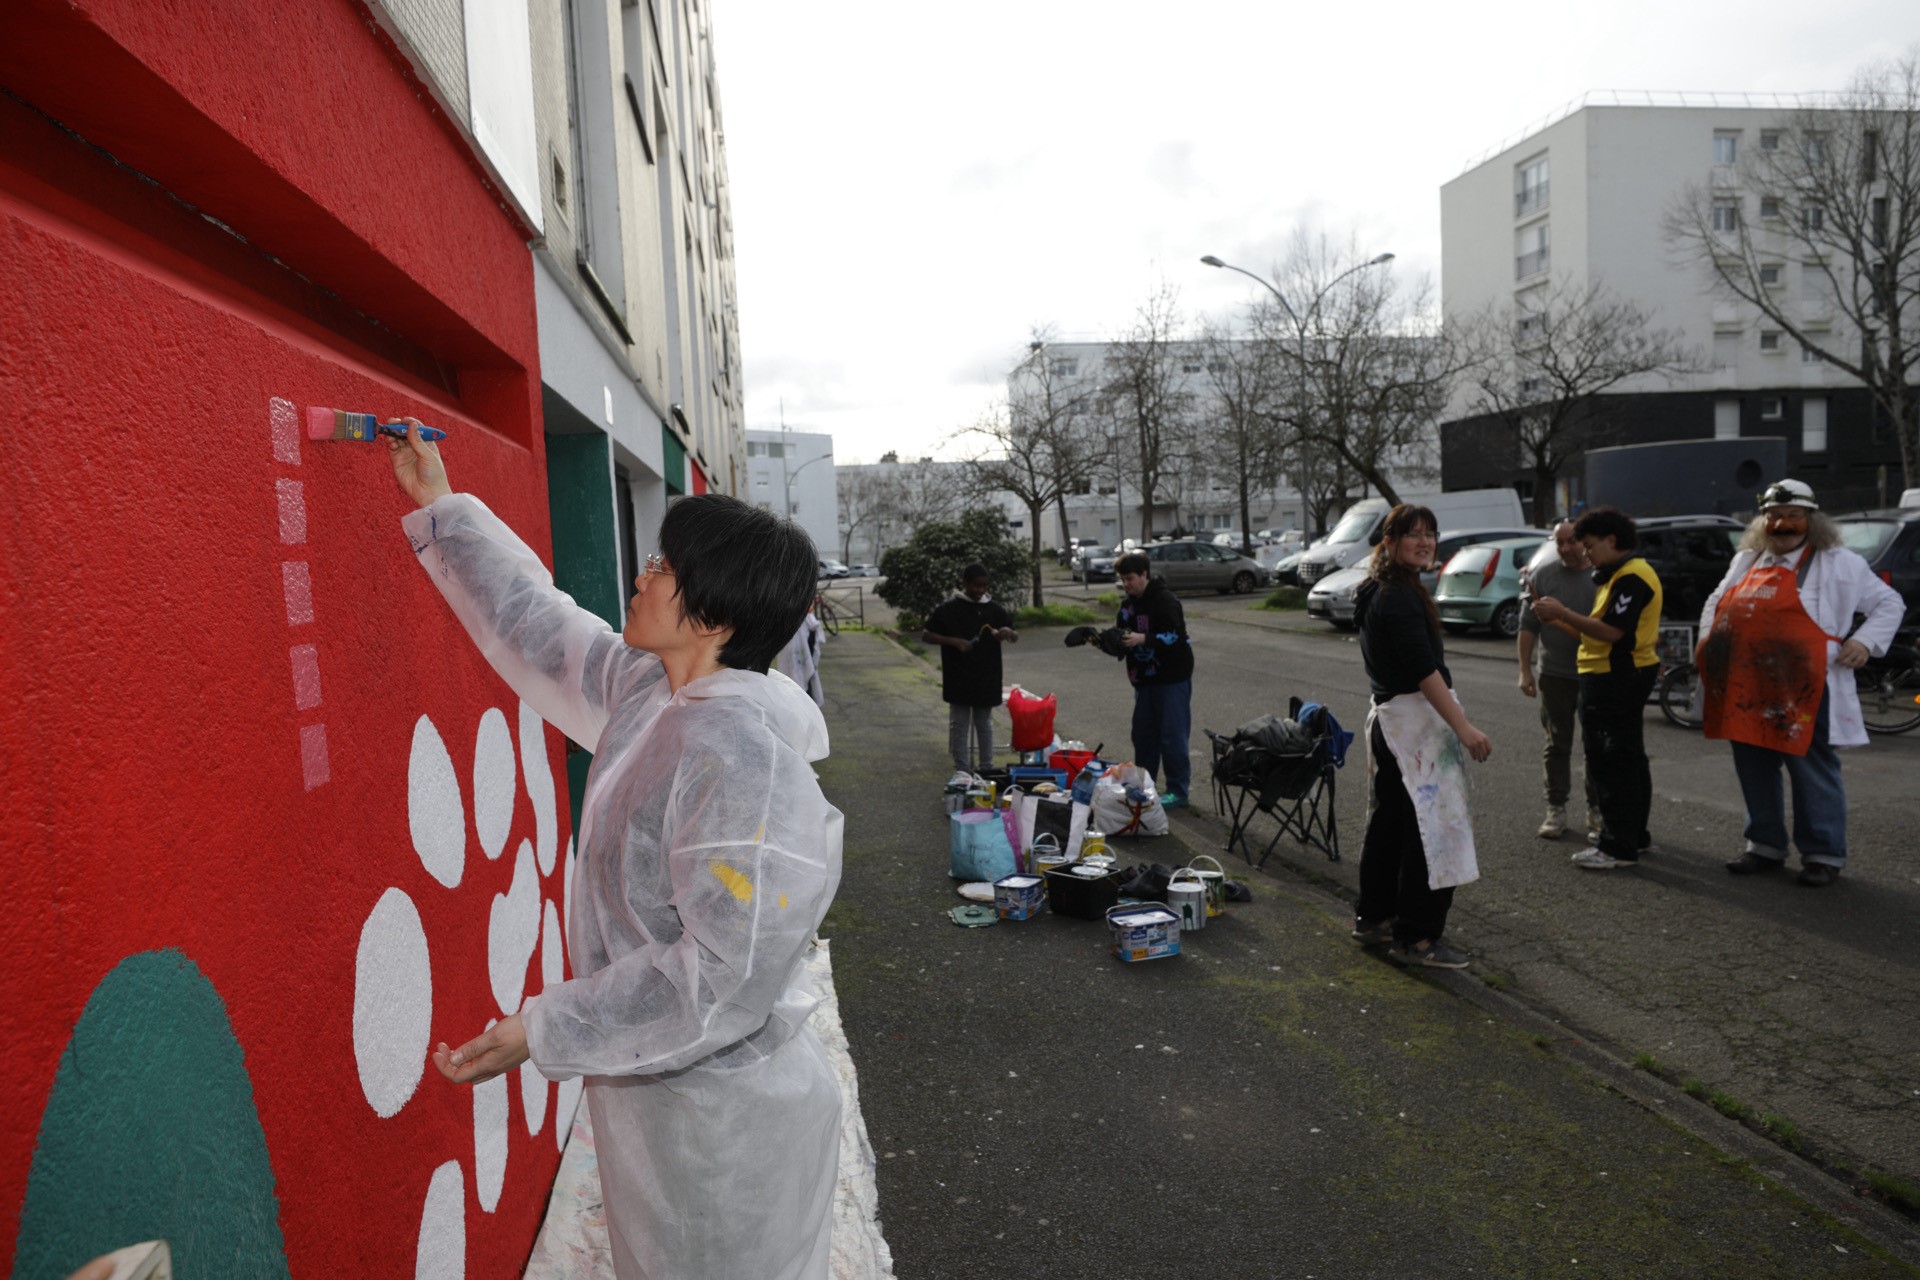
(1294, 787)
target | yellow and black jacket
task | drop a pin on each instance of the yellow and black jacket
(1629, 599)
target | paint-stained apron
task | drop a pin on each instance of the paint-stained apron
(1763, 667)
(1433, 765)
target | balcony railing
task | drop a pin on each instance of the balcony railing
(1531, 264)
(1531, 200)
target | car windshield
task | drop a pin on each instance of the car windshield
(1353, 528)
(1868, 537)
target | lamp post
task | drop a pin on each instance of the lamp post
(1300, 324)
(1119, 501)
(825, 457)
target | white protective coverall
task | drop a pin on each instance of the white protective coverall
(707, 857)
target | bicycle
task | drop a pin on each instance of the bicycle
(1889, 692)
(829, 618)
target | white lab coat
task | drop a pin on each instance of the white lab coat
(1839, 584)
(800, 660)
(707, 858)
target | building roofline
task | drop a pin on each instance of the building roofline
(1725, 101)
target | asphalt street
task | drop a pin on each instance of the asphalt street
(1276, 1102)
(1803, 1003)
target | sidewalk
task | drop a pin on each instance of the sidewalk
(1274, 1102)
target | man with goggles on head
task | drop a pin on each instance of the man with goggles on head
(1778, 648)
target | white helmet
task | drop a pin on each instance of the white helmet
(1788, 493)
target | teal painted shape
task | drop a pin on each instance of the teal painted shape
(585, 530)
(150, 1132)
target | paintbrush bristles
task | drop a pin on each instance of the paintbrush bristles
(338, 424)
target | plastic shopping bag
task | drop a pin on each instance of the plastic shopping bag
(1032, 719)
(978, 846)
(1125, 803)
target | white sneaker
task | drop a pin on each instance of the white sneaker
(1555, 824)
(1599, 860)
(1594, 823)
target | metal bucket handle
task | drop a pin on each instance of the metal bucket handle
(1186, 871)
(1210, 858)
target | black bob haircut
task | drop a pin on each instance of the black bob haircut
(1602, 521)
(736, 565)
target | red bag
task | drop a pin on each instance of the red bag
(1032, 719)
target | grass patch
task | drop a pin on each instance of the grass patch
(1108, 599)
(1898, 1190)
(1494, 981)
(1646, 1062)
(1542, 1043)
(1694, 1087)
(1285, 598)
(911, 643)
(1726, 1104)
(1054, 615)
(1783, 1129)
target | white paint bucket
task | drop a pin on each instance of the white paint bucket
(1188, 898)
(1215, 880)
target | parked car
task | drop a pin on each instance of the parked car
(1481, 586)
(863, 571)
(833, 569)
(1890, 541)
(1094, 564)
(1283, 562)
(1070, 551)
(1332, 596)
(1691, 554)
(1359, 528)
(1191, 565)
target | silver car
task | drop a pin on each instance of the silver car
(1331, 598)
(1192, 565)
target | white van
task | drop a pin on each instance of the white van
(1353, 537)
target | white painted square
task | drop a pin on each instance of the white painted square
(296, 584)
(293, 511)
(284, 420)
(313, 755)
(306, 676)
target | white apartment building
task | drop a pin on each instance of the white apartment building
(1582, 199)
(793, 472)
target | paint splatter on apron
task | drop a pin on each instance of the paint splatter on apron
(1763, 667)
(1433, 765)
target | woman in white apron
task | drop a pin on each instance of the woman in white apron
(1419, 842)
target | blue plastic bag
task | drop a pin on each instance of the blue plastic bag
(977, 841)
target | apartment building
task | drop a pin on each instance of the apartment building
(793, 472)
(1583, 199)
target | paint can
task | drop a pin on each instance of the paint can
(1215, 880)
(1145, 932)
(1044, 854)
(980, 796)
(1188, 898)
(1093, 847)
(1019, 897)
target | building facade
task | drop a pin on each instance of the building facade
(793, 472)
(1584, 199)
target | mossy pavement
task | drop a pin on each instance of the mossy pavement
(1274, 1102)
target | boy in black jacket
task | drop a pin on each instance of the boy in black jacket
(969, 629)
(1160, 666)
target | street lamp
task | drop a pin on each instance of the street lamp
(1300, 325)
(825, 457)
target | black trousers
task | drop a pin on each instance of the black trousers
(1393, 859)
(1613, 722)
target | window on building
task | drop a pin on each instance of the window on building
(1813, 425)
(1726, 348)
(1814, 148)
(1726, 147)
(1870, 155)
(1216, 367)
(1726, 419)
(1773, 408)
(1191, 366)
(1726, 215)
(1770, 340)
(1533, 386)
(1530, 186)
(1810, 352)
(1531, 327)
(1877, 221)
(1064, 368)
(1813, 217)
(1769, 275)
(1532, 251)
(1770, 207)
(1769, 139)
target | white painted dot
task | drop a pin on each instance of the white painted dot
(569, 1099)
(493, 782)
(441, 1253)
(538, 771)
(513, 930)
(490, 1140)
(553, 954)
(533, 1096)
(435, 816)
(392, 1003)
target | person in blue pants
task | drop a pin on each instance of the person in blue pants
(1159, 659)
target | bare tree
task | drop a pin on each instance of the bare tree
(1541, 367)
(1326, 484)
(1147, 397)
(1246, 435)
(892, 498)
(1837, 189)
(1034, 444)
(1371, 364)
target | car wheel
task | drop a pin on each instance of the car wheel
(1242, 583)
(1506, 620)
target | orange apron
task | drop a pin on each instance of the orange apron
(1763, 667)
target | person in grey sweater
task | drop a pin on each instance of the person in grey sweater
(1568, 579)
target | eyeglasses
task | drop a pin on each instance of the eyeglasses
(655, 563)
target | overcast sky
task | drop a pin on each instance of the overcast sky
(915, 187)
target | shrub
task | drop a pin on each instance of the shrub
(926, 570)
(1286, 598)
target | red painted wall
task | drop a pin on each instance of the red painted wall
(158, 699)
